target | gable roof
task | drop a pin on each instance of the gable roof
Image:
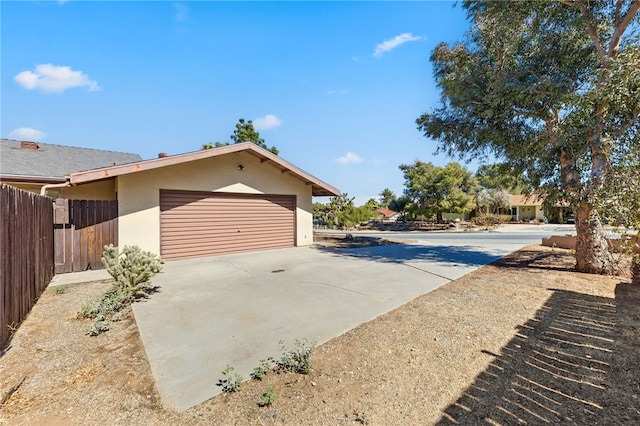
(387, 213)
(26, 161)
(319, 188)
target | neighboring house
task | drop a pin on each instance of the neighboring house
(32, 165)
(229, 199)
(386, 215)
(526, 208)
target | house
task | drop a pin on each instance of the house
(32, 165)
(526, 208)
(229, 199)
(386, 215)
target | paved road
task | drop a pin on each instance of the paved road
(509, 234)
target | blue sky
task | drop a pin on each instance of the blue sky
(335, 86)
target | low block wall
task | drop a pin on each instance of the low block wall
(565, 241)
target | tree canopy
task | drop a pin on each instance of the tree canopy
(500, 176)
(244, 132)
(434, 190)
(342, 212)
(553, 90)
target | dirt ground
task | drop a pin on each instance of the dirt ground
(525, 340)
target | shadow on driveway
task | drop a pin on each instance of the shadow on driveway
(401, 253)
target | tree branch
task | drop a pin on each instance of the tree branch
(621, 26)
(588, 17)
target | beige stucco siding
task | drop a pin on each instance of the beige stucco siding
(100, 190)
(139, 193)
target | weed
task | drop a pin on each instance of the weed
(268, 397)
(261, 371)
(232, 381)
(361, 418)
(297, 360)
(60, 289)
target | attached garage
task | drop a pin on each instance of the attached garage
(196, 223)
(229, 199)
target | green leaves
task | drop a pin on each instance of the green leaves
(435, 190)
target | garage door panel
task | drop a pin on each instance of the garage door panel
(196, 224)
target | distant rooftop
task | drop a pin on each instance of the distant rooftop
(35, 159)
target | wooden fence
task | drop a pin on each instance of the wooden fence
(26, 239)
(82, 229)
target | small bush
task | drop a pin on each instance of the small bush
(60, 289)
(297, 360)
(268, 397)
(132, 271)
(261, 371)
(490, 219)
(232, 381)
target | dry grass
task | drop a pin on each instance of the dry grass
(525, 340)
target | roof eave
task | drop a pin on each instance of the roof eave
(5, 178)
(320, 188)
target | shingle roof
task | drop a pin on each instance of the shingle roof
(525, 200)
(55, 161)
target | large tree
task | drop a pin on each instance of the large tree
(244, 132)
(553, 89)
(435, 190)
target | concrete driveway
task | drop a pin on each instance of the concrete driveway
(234, 309)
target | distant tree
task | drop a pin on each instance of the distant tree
(244, 132)
(372, 203)
(342, 212)
(352, 216)
(400, 205)
(387, 197)
(435, 190)
(491, 201)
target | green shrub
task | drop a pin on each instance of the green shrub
(232, 381)
(132, 271)
(490, 219)
(298, 359)
(261, 371)
(268, 397)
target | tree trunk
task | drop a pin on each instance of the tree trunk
(593, 255)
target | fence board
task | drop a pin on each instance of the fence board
(26, 244)
(90, 225)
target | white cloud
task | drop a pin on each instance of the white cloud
(269, 121)
(182, 12)
(348, 158)
(27, 134)
(338, 92)
(54, 78)
(389, 45)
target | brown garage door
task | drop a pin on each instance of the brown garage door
(197, 224)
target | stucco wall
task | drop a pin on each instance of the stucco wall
(139, 193)
(100, 190)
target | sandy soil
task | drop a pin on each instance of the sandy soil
(525, 340)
